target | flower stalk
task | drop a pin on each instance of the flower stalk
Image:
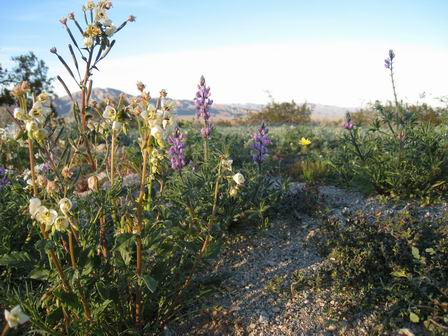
(139, 227)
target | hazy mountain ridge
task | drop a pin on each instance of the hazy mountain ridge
(186, 108)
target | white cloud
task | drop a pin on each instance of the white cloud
(340, 74)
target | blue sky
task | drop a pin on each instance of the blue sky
(196, 29)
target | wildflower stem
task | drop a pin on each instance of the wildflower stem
(71, 249)
(205, 149)
(112, 159)
(138, 269)
(33, 174)
(355, 144)
(5, 330)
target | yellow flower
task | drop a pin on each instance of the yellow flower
(304, 142)
(43, 97)
(92, 31)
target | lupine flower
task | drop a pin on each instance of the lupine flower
(176, 151)
(4, 181)
(388, 62)
(15, 317)
(348, 124)
(260, 145)
(202, 102)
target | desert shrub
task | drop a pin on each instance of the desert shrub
(392, 265)
(282, 113)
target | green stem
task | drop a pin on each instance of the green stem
(205, 150)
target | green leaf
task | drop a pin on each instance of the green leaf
(415, 253)
(15, 259)
(400, 274)
(150, 282)
(413, 317)
(39, 274)
(430, 250)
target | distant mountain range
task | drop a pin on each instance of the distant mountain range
(186, 108)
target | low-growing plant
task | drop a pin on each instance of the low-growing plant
(392, 265)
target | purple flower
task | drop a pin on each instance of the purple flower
(202, 103)
(348, 124)
(176, 151)
(4, 181)
(260, 145)
(388, 62)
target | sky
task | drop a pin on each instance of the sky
(323, 51)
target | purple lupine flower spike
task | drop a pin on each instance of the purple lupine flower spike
(348, 124)
(388, 62)
(4, 181)
(202, 102)
(260, 145)
(176, 151)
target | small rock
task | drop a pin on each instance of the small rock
(331, 327)
(263, 318)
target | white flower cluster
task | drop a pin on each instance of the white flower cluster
(238, 178)
(100, 19)
(159, 120)
(35, 119)
(111, 116)
(50, 217)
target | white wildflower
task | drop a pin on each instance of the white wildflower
(15, 317)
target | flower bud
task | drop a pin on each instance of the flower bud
(51, 187)
(92, 182)
(65, 205)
